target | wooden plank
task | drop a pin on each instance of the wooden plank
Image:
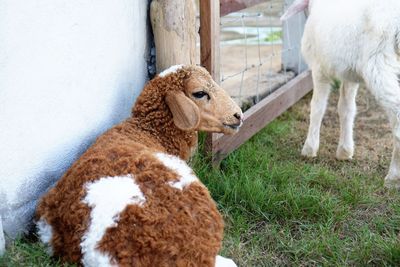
(229, 6)
(258, 116)
(209, 48)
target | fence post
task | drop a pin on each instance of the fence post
(209, 37)
(209, 48)
(174, 28)
(293, 30)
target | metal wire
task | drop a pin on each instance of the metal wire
(264, 63)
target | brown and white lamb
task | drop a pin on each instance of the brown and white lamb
(131, 199)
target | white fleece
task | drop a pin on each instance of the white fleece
(170, 70)
(45, 232)
(107, 198)
(185, 173)
(224, 262)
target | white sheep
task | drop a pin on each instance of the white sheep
(356, 41)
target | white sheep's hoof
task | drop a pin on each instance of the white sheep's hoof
(309, 151)
(344, 154)
(392, 182)
(224, 262)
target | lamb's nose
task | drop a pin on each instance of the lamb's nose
(238, 116)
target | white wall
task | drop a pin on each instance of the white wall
(69, 69)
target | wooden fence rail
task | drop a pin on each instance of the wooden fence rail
(229, 6)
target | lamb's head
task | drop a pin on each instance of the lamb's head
(200, 103)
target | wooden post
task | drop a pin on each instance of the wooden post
(292, 33)
(174, 28)
(209, 47)
(210, 37)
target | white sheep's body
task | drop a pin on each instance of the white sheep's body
(355, 41)
(342, 36)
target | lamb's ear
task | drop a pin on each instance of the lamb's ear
(296, 7)
(185, 112)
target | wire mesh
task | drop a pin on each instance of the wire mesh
(254, 45)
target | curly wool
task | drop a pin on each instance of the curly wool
(173, 226)
(152, 115)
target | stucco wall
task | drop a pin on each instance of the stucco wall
(69, 69)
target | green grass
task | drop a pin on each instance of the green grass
(274, 36)
(284, 210)
(28, 252)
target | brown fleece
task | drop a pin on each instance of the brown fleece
(154, 117)
(173, 227)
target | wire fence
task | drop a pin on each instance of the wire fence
(254, 47)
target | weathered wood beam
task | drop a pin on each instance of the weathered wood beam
(174, 28)
(209, 48)
(258, 116)
(229, 6)
(210, 37)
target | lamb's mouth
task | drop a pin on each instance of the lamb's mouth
(234, 127)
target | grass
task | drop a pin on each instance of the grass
(284, 210)
(27, 251)
(274, 36)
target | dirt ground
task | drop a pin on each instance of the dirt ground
(372, 133)
(256, 81)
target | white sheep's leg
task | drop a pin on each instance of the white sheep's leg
(392, 179)
(318, 106)
(382, 80)
(347, 110)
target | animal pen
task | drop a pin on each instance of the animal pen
(270, 76)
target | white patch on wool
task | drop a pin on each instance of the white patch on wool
(180, 167)
(170, 70)
(45, 232)
(224, 262)
(107, 198)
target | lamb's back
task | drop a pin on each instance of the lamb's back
(174, 204)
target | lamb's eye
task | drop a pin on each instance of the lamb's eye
(201, 94)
